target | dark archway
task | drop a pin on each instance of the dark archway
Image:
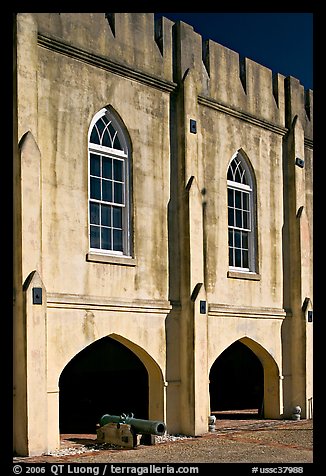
(237, 380)
(105, 377)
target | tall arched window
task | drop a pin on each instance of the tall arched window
(241, 215)
(109, 194)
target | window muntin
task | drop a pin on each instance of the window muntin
(240, 216)
(236, 172)
(108, 186)
(104, 133)
(239, 209)
(107, 182)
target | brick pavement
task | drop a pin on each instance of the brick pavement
(238, 438)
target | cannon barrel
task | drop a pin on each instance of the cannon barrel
(145, 427)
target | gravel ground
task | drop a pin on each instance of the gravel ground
(240, 441)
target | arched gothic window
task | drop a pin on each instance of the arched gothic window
(109, 193)
(241, 215)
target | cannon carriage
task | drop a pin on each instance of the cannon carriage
(127, 431)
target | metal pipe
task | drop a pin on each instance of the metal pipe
(145, 427)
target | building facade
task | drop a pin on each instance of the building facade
(162, 228)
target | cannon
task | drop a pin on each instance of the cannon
(144, 427)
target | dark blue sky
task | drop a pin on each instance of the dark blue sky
(282, 42)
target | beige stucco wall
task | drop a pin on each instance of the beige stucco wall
(263, 336)
(71, 94)
(70, 66)
(264, 151)
(71, 330)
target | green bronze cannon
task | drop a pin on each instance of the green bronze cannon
(144, 427)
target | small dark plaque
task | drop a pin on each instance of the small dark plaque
(37, 295)
(202, 307)
(193, 126)
(299, 162)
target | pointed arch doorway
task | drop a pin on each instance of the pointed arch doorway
(245, 376)
(237, 383)
(105, 377)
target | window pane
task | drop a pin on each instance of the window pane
(117, 240)
(230, 237)
(238, 218)
(231, 261)
(106, 215)
(115, 139)
(106, 238)
(100, 125)
(246, 220)
(118, 170)
(106, 140)
(94, 136)
(112, 133)
(117, 217)
(95, 188)
(118, 193)
(238, 199)
(237, 258)
(245, 240)
(230, 197)
(237, 177)
(245, 201)
(95, 165)
(94, 213)
(244, 177)
(107, 190)
(116, 144)
(105, 120)
(245, 259)
(95, 237)
(237, 239)
(231, 216)
(107, 167)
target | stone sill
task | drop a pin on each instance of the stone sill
(110, 259)
(243, 275)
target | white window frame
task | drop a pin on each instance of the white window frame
(251, 230)
(124, 156)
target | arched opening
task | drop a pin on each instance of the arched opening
(105, 377)
(237, 382)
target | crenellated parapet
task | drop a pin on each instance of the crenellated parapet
(164, 51)
(131, 39)
(299, 102)
(243, 84)
(240, 83)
